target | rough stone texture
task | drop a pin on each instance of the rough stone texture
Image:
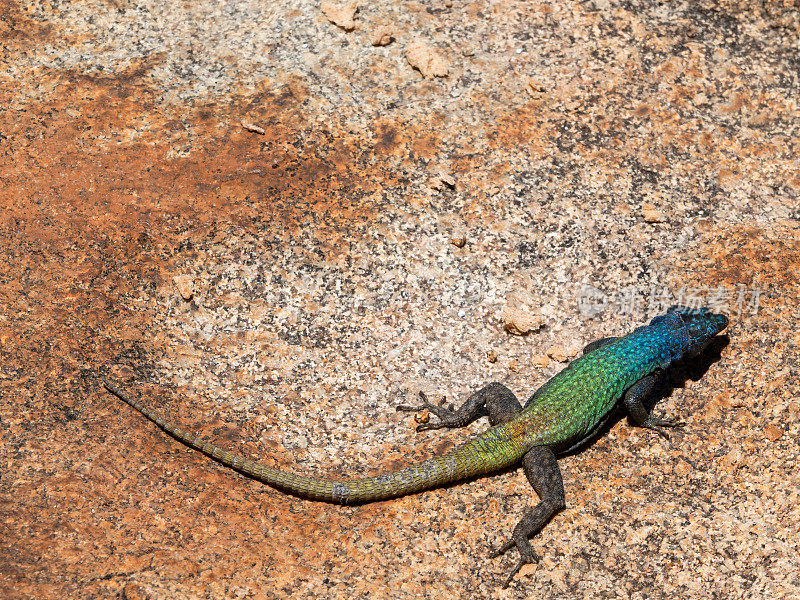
(325, 289)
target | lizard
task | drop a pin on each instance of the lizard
(561, 416)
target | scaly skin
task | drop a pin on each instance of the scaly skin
(561, 415)
(490, 451)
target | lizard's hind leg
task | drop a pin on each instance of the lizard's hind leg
(543, 473)
(494, 400)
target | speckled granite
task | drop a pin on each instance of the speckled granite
(252, 217)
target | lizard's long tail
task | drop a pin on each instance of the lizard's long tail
(490, 451)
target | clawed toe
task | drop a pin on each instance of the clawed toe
(425, 402)
(523, 560)
(442, 413)
(502, 549)
(659, 430)
(658, 425)
(429, 426)
(527, 557)
(514, 571)
(426, 405)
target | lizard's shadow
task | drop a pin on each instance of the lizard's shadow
(674, 377)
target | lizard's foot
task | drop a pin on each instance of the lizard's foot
(658, 425)
(526, 556)
(445, 415)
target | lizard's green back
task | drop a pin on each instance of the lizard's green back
(571, 404)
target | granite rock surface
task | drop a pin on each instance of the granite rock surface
(275, 228)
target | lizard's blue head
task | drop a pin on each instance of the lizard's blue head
(701, 326)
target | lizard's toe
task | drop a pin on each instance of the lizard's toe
(502, 549)
(526, 555)
(532, 559)
(429, 426)
(670, 423)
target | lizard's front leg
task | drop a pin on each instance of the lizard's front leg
(494, 400)
(633, 400)
(542, 471)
